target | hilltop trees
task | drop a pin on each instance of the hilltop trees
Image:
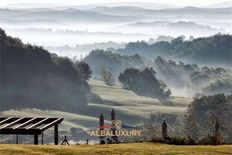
(211, 50)
(144, 83)
(116, 63)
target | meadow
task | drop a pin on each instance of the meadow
(115, 149)
(129, 107)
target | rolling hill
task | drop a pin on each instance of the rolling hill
(130, 108)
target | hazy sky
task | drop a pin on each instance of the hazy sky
(5, 3)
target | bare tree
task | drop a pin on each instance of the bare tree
(107, 77)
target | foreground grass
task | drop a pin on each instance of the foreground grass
(120, 149)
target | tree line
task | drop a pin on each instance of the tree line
(197, 124)
(213, 50)
(31, 77)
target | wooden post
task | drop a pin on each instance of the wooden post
(164, 130)
(36, 142)
(42, 138)
(56, 134)
(101, 122)
(217, 132)
(113, 126)
(17, 139)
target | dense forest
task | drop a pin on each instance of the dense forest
(214, 50)
(31, 77)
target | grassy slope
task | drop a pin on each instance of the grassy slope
(125, 102)
(127, 149)
(130, 108)
(118, 98)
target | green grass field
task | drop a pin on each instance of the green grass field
(115, 149)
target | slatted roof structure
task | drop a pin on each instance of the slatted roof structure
(29, 126)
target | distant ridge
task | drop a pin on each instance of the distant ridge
(226, 4)
(90, 6)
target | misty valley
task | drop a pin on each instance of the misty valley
(149, 65)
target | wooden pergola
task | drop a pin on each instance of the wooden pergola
(29, 126)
